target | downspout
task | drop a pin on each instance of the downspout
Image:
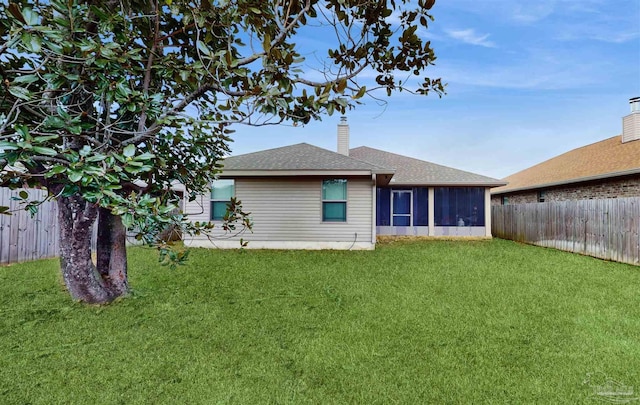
(374, 209)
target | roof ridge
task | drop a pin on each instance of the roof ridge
(269, 150)
(298, 156)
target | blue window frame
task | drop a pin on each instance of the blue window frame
(459, 206)
(334, 200)
(221, 193)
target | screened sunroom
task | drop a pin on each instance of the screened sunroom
(427, 199)
(432, 211)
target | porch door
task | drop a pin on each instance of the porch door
(401, 203)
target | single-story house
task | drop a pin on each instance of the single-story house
(606, 169)
(305, 197)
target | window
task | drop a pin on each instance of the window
(334, 200)
(221, 193)
(505, 200)
(401, 207)
(383, 206)
(459, 206)
(420, 206)
(542, 195)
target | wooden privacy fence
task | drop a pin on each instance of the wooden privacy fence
(25, 238)
(608, 228)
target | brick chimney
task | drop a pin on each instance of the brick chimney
(631, 122)
(343, 136)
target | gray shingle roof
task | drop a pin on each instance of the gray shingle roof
(410, 171)
(298, 157)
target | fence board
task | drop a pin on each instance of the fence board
(607, 228)
(25, 238)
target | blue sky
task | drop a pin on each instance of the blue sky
(527, 80)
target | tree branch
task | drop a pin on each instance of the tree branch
(147, 74)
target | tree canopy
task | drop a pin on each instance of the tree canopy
(110, 104)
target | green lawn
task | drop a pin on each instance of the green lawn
(412, 322)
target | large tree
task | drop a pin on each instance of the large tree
(109, 104)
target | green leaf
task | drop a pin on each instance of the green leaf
(96, 158)
(25, 79)
(53, 121)
(23, 131)
(23, 194)
(129, 150)
(75, 129)
(85, 151)
(74, 176)
(145, 156)
(45, 151)
(56, 170)
(202, 47)
(20, 92)
(4, 145)
(31, 42)
(63, 113)
(131, 170)
(127, 220)
(30, 16)
(45, 138)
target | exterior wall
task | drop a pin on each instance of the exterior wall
(287, 214)
(403, 230)
(461, 231)
(470, 231)
(516, 198)
(615, 188)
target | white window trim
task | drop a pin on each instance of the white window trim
(345, 201)
(410, 214)
(211, 201)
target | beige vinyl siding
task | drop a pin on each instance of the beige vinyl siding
(291, 210)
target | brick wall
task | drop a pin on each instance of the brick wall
(612, 188)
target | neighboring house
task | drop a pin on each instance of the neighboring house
(305, 197)
(605, 169)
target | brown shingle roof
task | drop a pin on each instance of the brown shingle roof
(410, 171)
(607, 158)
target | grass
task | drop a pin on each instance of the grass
(412, 322)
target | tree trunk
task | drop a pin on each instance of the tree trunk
(112, 252)
(86, 282)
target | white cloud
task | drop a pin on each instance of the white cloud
(469, 36)
(535, 69)
(531, 12)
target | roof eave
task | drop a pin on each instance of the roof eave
(450, 184)
(570, 181)
(288, 173)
